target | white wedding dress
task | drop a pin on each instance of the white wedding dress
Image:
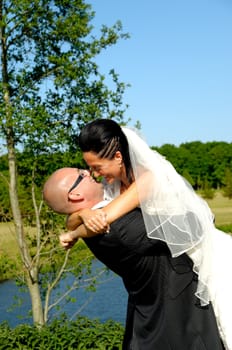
(175, 214)
(220, 282)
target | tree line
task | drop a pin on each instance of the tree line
(205, 165)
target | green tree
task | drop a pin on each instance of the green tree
(221, 156)
(196, 161)
(50, 87)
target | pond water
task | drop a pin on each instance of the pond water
(108, 302)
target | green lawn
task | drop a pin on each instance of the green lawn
(222, 209)
(8, 243)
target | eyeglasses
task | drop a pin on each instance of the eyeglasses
(76, 183)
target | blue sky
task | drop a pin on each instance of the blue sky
(178, 61)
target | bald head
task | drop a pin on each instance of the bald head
(85, 194)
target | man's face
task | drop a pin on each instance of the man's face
(84, 189)
(81, 175)
(69, 190)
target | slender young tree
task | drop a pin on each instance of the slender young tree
(50, 87)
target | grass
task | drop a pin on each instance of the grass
(220, 206)
(8, 241)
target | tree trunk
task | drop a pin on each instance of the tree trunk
(36, 302)
(31, 271)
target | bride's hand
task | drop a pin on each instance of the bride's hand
(95, 220)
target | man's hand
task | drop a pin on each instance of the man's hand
(67, 240)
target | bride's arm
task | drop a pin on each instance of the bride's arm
(122, 204)
(129, 199)
(98, 220)
(68, 239)
(101, 218)
(75, 224)
(73, 221)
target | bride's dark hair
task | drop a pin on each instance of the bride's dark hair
(105, 137)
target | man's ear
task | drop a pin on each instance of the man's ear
(75, 196)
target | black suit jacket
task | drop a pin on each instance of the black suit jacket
(163, 312)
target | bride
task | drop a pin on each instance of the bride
(134, 175)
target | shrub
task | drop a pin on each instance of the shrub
(81, 334)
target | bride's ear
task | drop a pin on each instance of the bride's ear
(118, 155)
(75, 196)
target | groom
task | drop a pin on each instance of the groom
(162, 312)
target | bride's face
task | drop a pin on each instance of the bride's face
(110, 169)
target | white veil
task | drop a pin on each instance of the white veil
(173, 213)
